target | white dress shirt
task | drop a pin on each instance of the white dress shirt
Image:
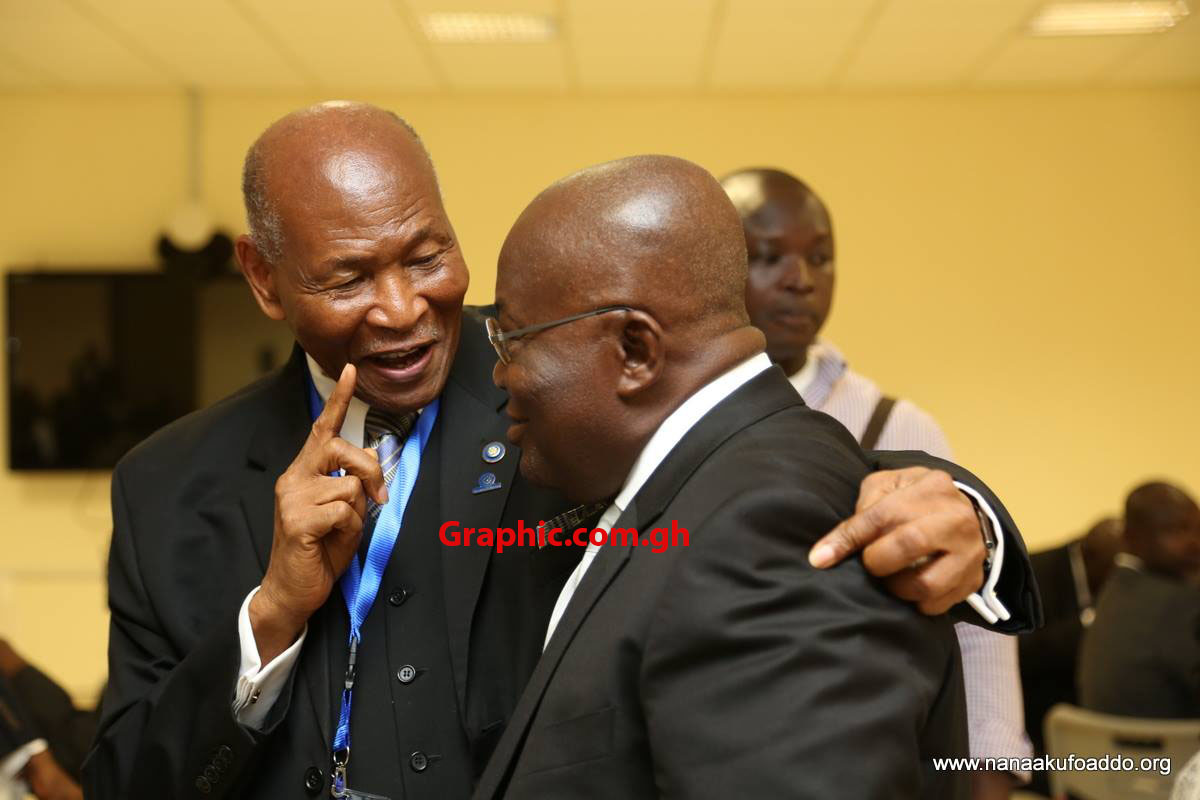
(12, 763)
(259, 685)
(669, 433)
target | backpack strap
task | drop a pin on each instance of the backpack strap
(879, 418)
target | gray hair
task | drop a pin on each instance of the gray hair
(262, 216)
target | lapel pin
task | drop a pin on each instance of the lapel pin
(493, 452)
(486, 483)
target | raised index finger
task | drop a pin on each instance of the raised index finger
(329, 423)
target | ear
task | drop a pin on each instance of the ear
(260, 274)
(643, 353)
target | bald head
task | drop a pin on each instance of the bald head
(297, 143)
(789, 239)
(656, 232)
(351, 246)
(1162, 527)
(654, 237)
(759, 191)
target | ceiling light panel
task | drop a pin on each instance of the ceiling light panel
(1108, 18)
(469, 27)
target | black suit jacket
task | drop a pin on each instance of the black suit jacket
(1048, 656)
(193, 523)
(68, 730)
(729, 667)
(1141, 656)
(193, 518)
(15, 729)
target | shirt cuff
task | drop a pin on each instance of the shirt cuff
(258, 686)
(12, 764)
(985, 602)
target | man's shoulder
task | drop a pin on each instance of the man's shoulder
(804, 459)
(1141, 604)
(1173, 600)
(217, 434)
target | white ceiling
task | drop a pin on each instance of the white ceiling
(605, 45)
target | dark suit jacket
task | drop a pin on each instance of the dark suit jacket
(729, 667)
(193, 518)
(1049, 655)
(15, 728)
(1141, 656)
(67, 730)
(193, 522)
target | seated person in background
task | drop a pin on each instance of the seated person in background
(789, 236)
(1141, 655)
(725, 666)
(68, 730)
(24, 757)
(1070, 578)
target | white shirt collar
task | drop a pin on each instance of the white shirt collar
(669, 433)
(682, 420)
(356, 415)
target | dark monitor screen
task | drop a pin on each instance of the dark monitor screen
(99, 361)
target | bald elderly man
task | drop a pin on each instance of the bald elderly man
(722, 666)
(285, 620)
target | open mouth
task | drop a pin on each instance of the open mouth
(401, 365)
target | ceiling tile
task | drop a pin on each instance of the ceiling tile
(1171, 57)
(502, 65)
(208, 43)
(1059, 60)
(52, 38)
(632, 44)
(785, 43)
(933, 42)
(364, 44)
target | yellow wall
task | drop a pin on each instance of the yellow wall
(1026, 266)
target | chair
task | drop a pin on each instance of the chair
(1074, 732)
(1187, 782)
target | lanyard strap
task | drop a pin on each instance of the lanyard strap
(360, 583)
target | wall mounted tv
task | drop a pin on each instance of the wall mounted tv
(97, 361)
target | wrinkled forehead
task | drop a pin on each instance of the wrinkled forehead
(344, 189)
(358, 172)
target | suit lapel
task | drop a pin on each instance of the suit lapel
(605, 566)
(274, 445)
(765, 394)
(471, 419)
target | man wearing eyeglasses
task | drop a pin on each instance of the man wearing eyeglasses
(285, 621)
(723, 666)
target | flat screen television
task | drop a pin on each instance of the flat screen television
(97, 361)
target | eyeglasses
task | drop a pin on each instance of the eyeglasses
(500, 339)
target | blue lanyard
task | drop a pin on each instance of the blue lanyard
(360, 584)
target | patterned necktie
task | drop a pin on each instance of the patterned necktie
(386, 433)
